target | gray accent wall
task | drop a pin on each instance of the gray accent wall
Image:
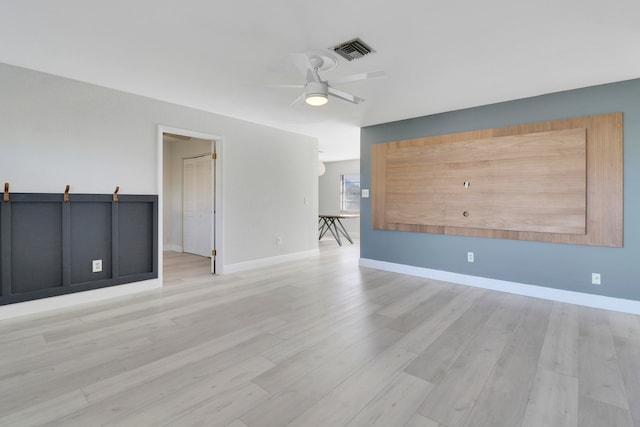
(559, 266)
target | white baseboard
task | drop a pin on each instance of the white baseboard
(171, 247)
(560, 295)
(69, 300)
(266, 262)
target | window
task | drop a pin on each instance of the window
(350, 192)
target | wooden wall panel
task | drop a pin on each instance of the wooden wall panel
(556, 181)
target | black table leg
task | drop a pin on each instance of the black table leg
(329, 223)
(344, 230)
(332, 227)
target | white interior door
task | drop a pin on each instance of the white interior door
(197, 216)
(212, 194)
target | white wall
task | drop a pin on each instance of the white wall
(329, 191)
(271, 182)
(55, 131)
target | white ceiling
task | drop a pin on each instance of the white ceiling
(218, 55)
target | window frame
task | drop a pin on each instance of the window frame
(349, 196)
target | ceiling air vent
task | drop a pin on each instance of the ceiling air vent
(353, 49)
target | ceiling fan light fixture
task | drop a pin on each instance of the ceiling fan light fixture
(321, 168)
(316, 94)
(316, 99)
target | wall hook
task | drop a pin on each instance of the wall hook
(66, 194)
(115, 195)
(6, 191)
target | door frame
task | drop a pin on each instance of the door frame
(217, 143)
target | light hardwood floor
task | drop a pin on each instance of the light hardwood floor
(319, 342)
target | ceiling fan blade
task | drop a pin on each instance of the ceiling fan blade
(298, 99)
(344, 95)
(357, 77)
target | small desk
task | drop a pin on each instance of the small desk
(334, 225)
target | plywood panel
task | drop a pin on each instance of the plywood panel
(558, 181)
(532, 182)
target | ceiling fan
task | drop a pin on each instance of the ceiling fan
(316, 91)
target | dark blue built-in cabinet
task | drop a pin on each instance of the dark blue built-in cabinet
(48, 246)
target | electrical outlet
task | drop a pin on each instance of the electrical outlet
(96, 266)
(595, 279)
(469, 256)
(365, 193)
(278, 240)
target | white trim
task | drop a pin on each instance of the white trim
(69, 300)
(266, 262)
(219, 205)
(561, 295)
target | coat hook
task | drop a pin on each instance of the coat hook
(115, 194)
(6, 191)
(66, 194)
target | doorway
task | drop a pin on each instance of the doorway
(197, 212)
(189, 221)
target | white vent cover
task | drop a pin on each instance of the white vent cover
(353, 49)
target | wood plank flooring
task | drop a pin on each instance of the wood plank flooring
(319, 342)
